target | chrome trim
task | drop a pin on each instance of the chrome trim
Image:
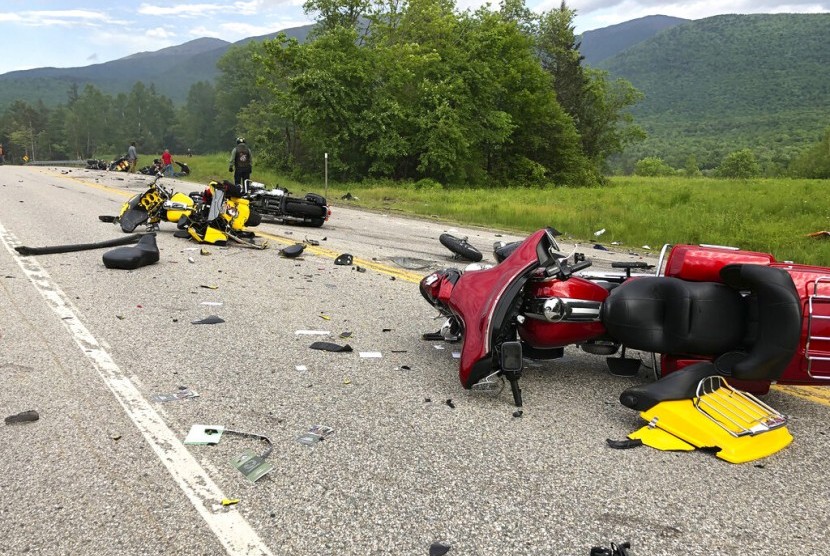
(573, 310)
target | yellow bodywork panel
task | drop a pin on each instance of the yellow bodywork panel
(660, 440)
(212, 235)
(683, 420)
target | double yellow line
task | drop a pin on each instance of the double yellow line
(816, 394)
(398, 274)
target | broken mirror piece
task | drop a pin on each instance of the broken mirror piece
(252, 465)
(181, 394)
(330, 346)
(315, 434)
(212, 319)
(202, 435)
(22, 417)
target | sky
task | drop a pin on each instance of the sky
(73, 33)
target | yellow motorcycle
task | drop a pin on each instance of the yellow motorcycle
(154, 205)
(222, 215)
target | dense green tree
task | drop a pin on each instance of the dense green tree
(197, 120)
(653, 166)
(739, 164)
(814, 162)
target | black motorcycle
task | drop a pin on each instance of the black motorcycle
(278, 204)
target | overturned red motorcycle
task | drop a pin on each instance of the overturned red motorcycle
(733, 313)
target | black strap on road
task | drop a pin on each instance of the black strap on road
(27, 251)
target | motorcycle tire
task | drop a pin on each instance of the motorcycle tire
(254, 219)
(314, 222)
(297, 207)
(316, 199)
(460, 247)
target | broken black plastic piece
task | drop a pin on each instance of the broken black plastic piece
(330, 346)
(624, 444)
(22, 417)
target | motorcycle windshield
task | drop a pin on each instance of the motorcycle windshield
(487, 301)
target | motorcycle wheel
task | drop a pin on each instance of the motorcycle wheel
(254, 219)
(460, 247)
(297, 207)
(315, 222)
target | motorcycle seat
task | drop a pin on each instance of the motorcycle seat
(143, 253)
(670, 315)
(680, 385)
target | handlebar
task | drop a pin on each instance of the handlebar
(563, 270)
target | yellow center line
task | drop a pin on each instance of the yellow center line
(398, 274)
(815, 394)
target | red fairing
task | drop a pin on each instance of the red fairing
(703, 263)
(475, 298)
(537, 332)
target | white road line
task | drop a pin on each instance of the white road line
(230, 528)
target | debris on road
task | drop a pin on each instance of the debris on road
(28, 416)
(330, 346)
(212, 319)
(183, 393)
(203, 435)
(344, 260)
(315, 434)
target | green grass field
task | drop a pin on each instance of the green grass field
(765, 215)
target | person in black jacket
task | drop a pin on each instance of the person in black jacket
(241, 162)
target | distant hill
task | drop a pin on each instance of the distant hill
(601, 44)
(172, 70)
(729, 82)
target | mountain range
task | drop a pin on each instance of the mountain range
(711, 86)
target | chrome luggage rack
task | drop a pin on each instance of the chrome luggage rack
(810, 351)
(738, 413)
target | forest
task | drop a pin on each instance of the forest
(416, 91)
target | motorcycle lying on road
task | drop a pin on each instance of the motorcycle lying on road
(708, 312)
(759, 320)
(222, 213)
(154, 205)
(278, 204)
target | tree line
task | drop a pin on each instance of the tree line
(412, 90)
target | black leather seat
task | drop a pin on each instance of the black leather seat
(669, 315)
(753, 336)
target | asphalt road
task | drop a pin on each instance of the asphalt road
(413, 459)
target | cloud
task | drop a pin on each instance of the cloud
(182, 10)
(56, 18)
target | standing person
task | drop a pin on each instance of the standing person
(132, 157)
(241, 162)
(167, 162)
(2, 155)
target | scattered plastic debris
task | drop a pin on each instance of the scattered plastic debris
(325, 317)
(252, 465)
(349, 197)
(28, 416)
(209, 286)
(329, 346)
(212, 303)
(439, 548)
(600, 247)
(183, 393)
(615, 550)
(450, 404)
(822, 234)
(315, 434)
(213, 319)
(599, 232)
(360, 269)
(312, 332)
(646, 247)
(344, 260)
(230, 501)
(301, 368)
(203, 435)
(312, 242)
(191, 260)
(292, 251)
(346, 334)
(204, 252)
(371, 354)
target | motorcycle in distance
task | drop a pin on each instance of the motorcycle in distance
(278, 204)
(222, 213)
(754, 319)
(154, 205)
